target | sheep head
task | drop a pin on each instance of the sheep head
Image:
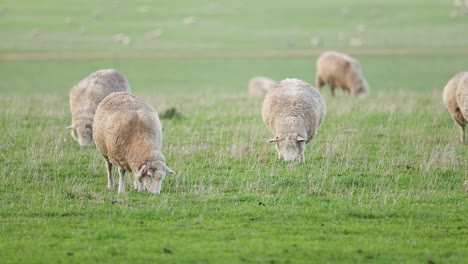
(290, 147)
(362, 88)
(82, 132)
(152, 175)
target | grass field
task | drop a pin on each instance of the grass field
(382, 182)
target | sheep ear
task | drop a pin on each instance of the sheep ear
(299, 139)
(70, 127)
(169, 170)
(142, 172)
(275, 139)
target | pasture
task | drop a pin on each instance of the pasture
(382, 181)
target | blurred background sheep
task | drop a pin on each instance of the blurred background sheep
(259, 86)
(340, 70)
(85, 98)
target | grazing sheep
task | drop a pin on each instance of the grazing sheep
(356, 42)
(456, 100)
(259, 86)
(316, 41)
(190, 21)
(97, 14)
(68, 20)
(340, 70)
(341, 36)
(86, 96)
(82, 30)
(361, 29)
(143, 9)
(154, 34)
(128, 133)
(35, 32)
(293, 110)
(122, 39)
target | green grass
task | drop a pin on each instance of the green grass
(32, 26)
(382, 180)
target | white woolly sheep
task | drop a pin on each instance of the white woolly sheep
(259, 86)
(293, 111)
(455, 97)
(86, 96)
(128, 133)
(340, 70)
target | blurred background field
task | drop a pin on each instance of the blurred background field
(168, 27)
(221, 44)
(382, 180)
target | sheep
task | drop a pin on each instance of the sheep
(259, 86)
(316, 41)
(85, 97)
(356, 42)
(122, 39)
(361, 29)
(190, 21)
(82, 30)
(154, 34)
(35, 32)
(128, 134)
(293, 111)
(340, 70)
(455, 98)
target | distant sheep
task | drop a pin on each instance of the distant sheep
(122, 39)
(259, 86)
(293, 111)
(85, 97)
(128, 133)
(340, 70)
(190, 21)
(316, 41)
(455, 97)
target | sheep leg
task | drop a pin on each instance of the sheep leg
(348, 91)
(121, 180)
(110, 179)
(462, 130)
(138, 185)
(319, 83)
(460, 121)
(332, 88)
(277, 150)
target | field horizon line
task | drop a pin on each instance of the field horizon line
(223, 54)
